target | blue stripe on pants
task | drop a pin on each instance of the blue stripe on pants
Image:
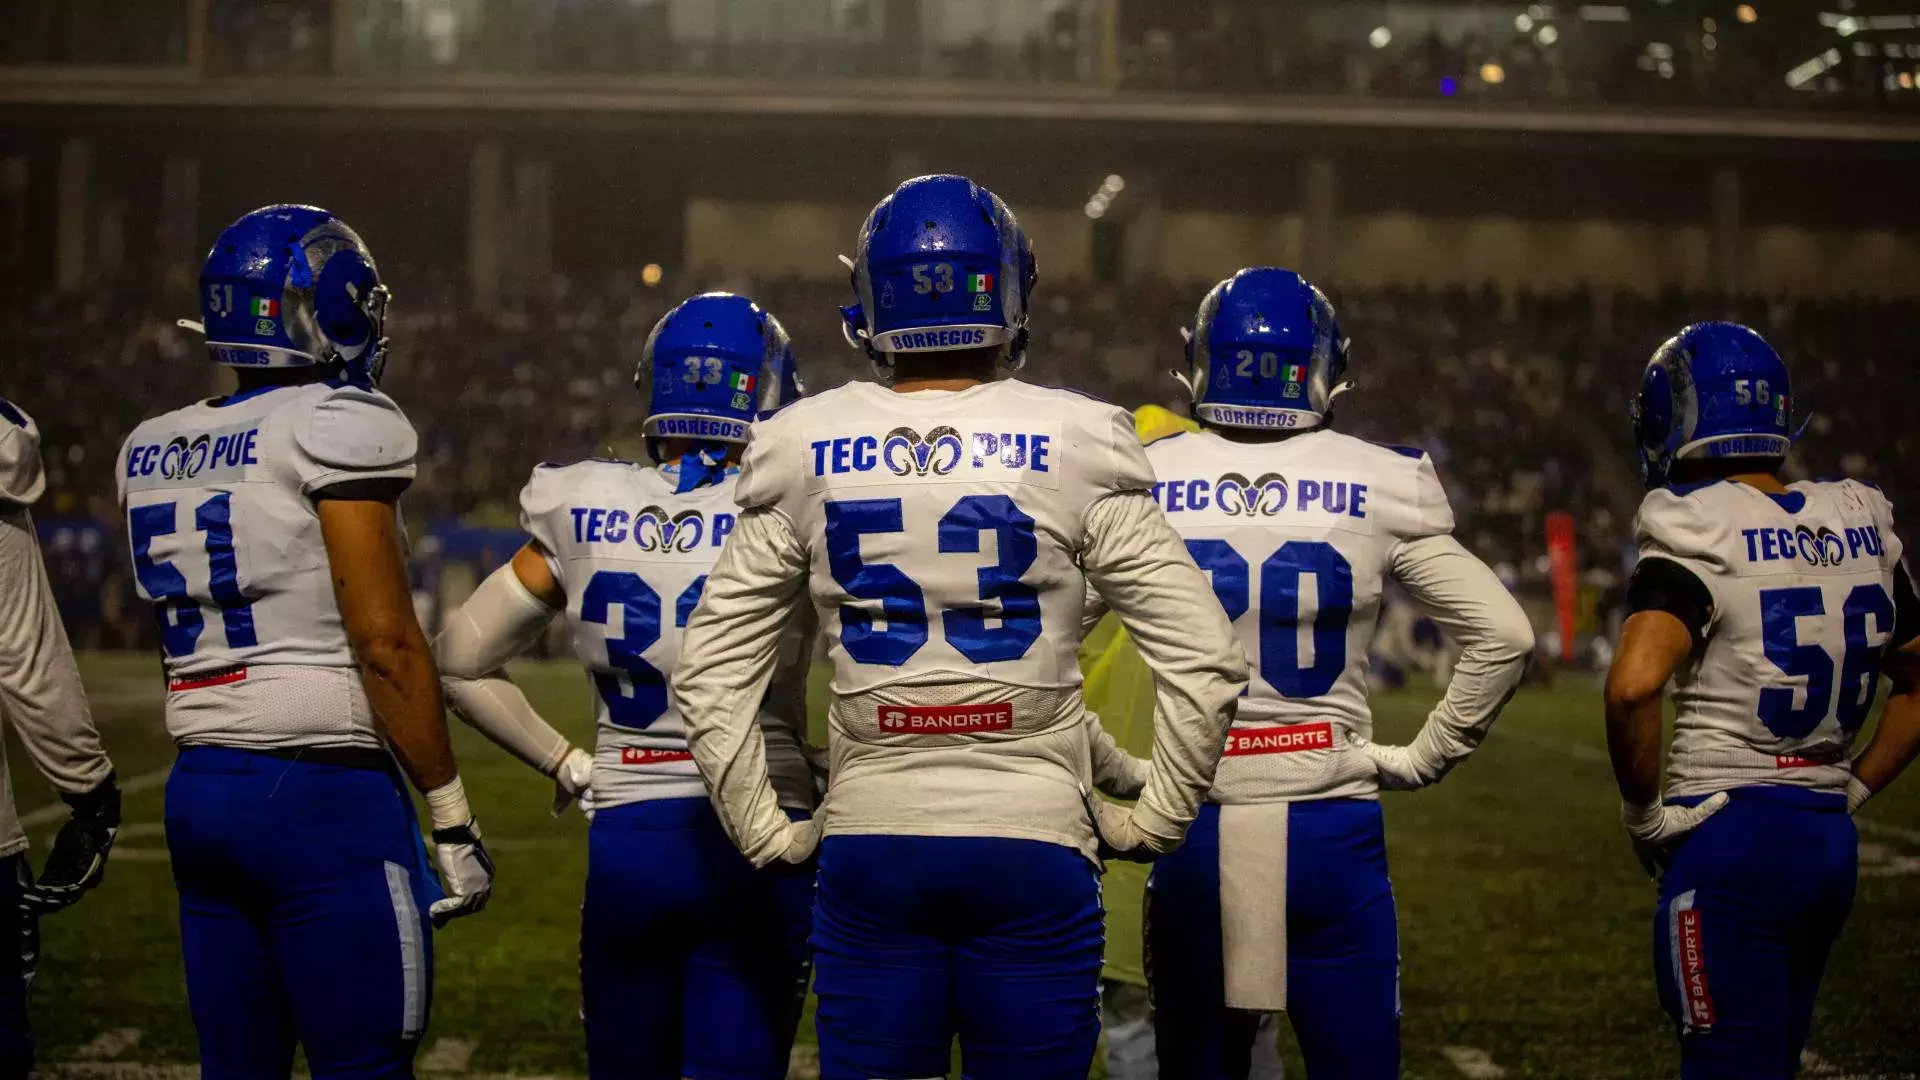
(302, 890)
(1343, 962)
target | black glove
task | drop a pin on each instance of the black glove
(79, 857)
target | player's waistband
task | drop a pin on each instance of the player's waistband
(1777, 794)
(362, 758)
(667, 815)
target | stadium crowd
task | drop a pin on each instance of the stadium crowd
(1521, 398)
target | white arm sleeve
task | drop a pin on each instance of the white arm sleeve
(1141, 568)
(1460, 593)
(21, 479)
(727, 658)
(1092, 609)
(1115, 772)
(498, 622)
(40, 691)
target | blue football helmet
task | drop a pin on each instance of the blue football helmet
(942, 264)
(1714, 390)
(292, 286)
(712, 366)
(1265, 352)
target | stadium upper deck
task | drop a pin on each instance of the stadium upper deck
(1702, 66)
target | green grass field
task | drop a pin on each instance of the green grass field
(1524, 918)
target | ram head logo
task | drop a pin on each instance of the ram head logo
(1237, 495)
(904, 451)
(655, 530)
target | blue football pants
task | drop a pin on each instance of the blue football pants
(1749, 907)
(692, 963)
(1343, 952)
(303, 892)
(918, 939)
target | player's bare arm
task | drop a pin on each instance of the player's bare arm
(1652, 645)
(362, 538)
(1896, 739)
(370, 584)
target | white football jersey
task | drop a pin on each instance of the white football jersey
(21, 478)
(227, 548)
(1299, 537)
(633, 556)
(943, 531)
(1802, 588)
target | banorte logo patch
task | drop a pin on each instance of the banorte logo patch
(655, 530)
(906, 451)
(1265, 496)
(945, 719)
(1283, 739)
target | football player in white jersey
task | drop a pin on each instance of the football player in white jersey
(41, 697)
(1279, 900)
(265, 534)
(692, 962)
(1774, 609)
(944, 527)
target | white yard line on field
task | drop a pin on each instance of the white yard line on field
(447, 1056)
(47, 815)
(110, 1044)
(1473, 1062)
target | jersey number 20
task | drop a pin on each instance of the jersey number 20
(1280, 619)
(1780, 613)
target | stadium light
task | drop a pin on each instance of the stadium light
(1114, 183)
(1523, 22)
(1380, 37)
(1710, 25)
(1746, 13)
(1802, 74)
(1605, 13)
(1708, 42)
(1547, 35)
(1846, 26)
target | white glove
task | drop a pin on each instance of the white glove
(571, 780)
(466, 871)
(1857, 794)
(803, 841)
(1657, 829)
(1119, 837)
(1397, 767)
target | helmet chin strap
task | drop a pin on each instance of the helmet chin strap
(702, 464)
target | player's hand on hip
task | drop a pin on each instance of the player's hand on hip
(1396, 767)
(466, 871)
(1657, 829)
(571, 780)
(1119, 838)
(803, 843)
(78, 860)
